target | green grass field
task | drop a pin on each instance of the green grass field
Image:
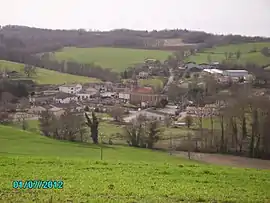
(117, 59)
(218, 54)
(45, 76)
(154, 82)
(125, 175)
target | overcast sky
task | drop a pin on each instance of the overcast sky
(246, 17)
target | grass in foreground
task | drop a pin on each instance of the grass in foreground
(117, 59)
(218, 54)
(45, 76)
(126, 174)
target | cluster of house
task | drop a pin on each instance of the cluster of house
(221, 75)
(97, 93)
(226, 75)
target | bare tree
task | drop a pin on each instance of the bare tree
(29, 70)
(93, 124)
(70, 125)
(117, 112)
(167, 121)
(188, 121)
(226, 55)
(22, 120)
(135, 132)
(238, 54)
(47, 122)
(153, 132)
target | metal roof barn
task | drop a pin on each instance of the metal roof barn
(236, 73)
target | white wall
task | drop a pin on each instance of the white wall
(236, 74)
(66, 100)
(124, 96)
(70, 89)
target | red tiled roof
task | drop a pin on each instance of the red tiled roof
(144, 90)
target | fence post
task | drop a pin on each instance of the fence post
(101, 147)
(171, 147)
(189, 145)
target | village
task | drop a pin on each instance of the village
(134, 98)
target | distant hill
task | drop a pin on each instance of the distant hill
(34, 40)
(21, 44)
(44, 76)
(249, 53)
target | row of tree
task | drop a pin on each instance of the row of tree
(36, 40)
(73, 127)
(243, 119)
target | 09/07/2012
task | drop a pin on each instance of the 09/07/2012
(38, 184)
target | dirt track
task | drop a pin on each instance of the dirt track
(227, 160)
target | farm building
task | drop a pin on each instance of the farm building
(143, 74)
(236, 73)
(214, 71)
(145, 95)
(64, 98)
(124, 96)
(70, 89)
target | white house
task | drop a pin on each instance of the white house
(71, 89)
(87, 94)
(107, 94)
(36, 110)
(213, 71)
(64, 98)
(124, 96)
(143, 74)
(236, 73)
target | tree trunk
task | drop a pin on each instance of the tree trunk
(254, 132)
(244, 132)
(212, 129)
(222, 144)
(94, 135)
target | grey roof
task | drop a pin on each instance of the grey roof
(69, 85)
(236, 71)
(63, 95)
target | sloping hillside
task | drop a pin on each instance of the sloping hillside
(118, 59)
(125, 175)
(44, 76)
(249, 53)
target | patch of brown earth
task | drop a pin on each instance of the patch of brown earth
(227, 160)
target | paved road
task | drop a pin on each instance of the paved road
(170, 80)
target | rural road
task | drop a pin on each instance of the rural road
(134, 114)
(170, 80)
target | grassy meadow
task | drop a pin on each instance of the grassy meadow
(124, 175)
(118, 59)
(155, 82)
(44, 76)
(218, 54)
